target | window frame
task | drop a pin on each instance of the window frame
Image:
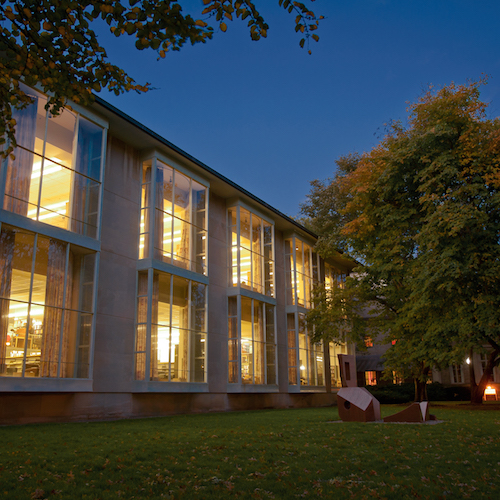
(239, 385)
(238, 206)
(43, 227)
(57, 384)
(156, 157)
(457, 371)
(311, 349)
(313, 263)
(146, 384)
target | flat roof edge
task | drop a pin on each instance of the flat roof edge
(199, 163)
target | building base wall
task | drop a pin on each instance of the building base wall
(30, 408)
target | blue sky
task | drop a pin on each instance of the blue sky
(272, 118)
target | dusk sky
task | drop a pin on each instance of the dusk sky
(272, 118)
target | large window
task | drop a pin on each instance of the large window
(301, 268)
(176, 331)
(46, 306)
(177, 232)
(335, 350)
(305, 359)
(457, 374)
(55, 176)
(251, 258)
(252, 341)
(334, 278)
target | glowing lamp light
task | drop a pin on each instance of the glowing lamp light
(467, 361)
(490, 393)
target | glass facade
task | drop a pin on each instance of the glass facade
(56, 174)
(305, 359)
(302, 273)
(173, 225)
(335, 350)
(301, 268)
(177, 328)
(252, 341)
(46, 306)
(334, 278)
(251, 259)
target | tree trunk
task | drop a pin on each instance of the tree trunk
(475, 396)
(421, 386)
(419, 390)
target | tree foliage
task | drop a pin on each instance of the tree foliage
(52, 44)
(421, 211)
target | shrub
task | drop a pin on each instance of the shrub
(405, 393)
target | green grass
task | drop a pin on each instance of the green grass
(259, 455)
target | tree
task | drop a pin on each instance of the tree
(52, 44)
(421, 211)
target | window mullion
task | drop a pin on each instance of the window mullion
(63, 312)
(238, 323)
(189, 219)
(28, 316)
(275, 347)
(294, 261)
(297, 348)
(171, 309)
(152, 211)
(252, 305)
(149, 317)
(172, 220)
(189, 333)
(264, 340)
(250, 244)
(42, 164)
(73, 170)
(238, 244)
(262, 278)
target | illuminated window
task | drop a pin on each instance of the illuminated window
(371, 378)
(55, 176)
(305, 359)
(335, 350)
(177, 332)
(251, 261)
(300, 268)
(251, 328)
(368, 342)
(178, 231)
(334, 278)
(46, 306)
(397, 379)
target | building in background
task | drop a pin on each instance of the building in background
(137, 281)
(370, 367)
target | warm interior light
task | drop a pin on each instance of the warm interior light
(54, 212)
(163, 344)
(49, 168)
(467, 361)
(490, 391)
(17, 310)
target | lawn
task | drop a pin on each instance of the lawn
(262, 454)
